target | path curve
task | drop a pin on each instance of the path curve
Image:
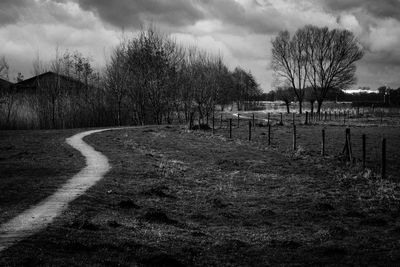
(39, 216)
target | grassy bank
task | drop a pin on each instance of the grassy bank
(177, 198)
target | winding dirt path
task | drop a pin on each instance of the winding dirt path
(39, 216)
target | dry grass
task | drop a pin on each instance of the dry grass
(176, 198)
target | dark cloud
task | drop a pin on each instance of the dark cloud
(378, 8)
(9, 10)
(181, 13)
(250, 18)
(132, 14)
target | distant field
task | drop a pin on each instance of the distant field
(182, 198)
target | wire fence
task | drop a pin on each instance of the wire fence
(374, 137)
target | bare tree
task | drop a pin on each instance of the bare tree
(116, 78)
(310, 97)
(331, 56)
(316, 57)
(245, 87)
(290, 63)
(286, 95)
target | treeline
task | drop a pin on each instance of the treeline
(148, 79)
(383, 97)
(151, 80)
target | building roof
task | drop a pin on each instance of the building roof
(32, 80)
(4, 84)
(50, 79)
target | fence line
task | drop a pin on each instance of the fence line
(306, 119)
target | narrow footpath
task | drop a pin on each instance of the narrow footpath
(39, 216)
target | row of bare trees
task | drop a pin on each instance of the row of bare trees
(148, 79)
(71, 98)
(316, 58)
(153, 80)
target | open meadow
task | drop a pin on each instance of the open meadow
(176, 197)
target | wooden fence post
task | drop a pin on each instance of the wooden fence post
(281, 122)
(213, 123)
(383, 169)
(347, 146)
(364, 151)
(323, 143)
(249, 130)
(230, 128)
(191, 121)
(306, 122)
(294, 138)
(268, 118)
(269, 134)
(253, 121)
(199, 120)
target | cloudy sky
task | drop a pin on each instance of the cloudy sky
(239, 30)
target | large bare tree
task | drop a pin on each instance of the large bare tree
(316, 57)
(331, 56)
(289, 62)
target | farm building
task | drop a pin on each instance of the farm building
(50, 82)
(48, 100)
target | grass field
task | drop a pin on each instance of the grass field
(181, 198)
(309, 137)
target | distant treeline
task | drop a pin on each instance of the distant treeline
(148, 79)
(384, 97)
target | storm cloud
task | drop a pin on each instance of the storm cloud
(239, 30)
(382, 9)
(128, 14)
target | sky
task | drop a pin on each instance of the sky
(239, 30)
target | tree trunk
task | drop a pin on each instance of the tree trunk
(119, 113)
(312, 106)
(319, 105)
(301, 107)
(287, 107)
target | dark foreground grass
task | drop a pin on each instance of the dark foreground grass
(178, 198)
(33, 164)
